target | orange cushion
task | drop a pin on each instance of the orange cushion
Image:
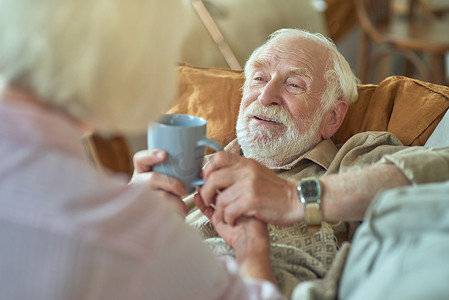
(408, 108)
(213, 94)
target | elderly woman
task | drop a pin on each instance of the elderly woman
(66, 231)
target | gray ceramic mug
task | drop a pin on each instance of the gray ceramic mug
(184, 139)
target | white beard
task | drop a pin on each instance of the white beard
(272, 147)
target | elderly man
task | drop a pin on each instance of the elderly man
(295, 97)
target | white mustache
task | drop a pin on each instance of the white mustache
(274, 113)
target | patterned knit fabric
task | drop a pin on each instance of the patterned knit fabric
(297, 254)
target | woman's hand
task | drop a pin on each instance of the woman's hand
(143, 165)
(250, 241)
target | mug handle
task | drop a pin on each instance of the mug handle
(207, 142)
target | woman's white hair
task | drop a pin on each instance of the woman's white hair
(341, 81)
(107, 61)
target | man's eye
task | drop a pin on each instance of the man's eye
(296, 86)
(259, 79)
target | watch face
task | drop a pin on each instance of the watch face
(310, 190)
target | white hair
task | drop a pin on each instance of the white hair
(108, 61)
(341, 81)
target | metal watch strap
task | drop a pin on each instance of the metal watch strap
(312, 214)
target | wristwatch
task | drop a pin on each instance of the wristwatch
(309, 191)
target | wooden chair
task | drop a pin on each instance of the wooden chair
(418, 36)
(109, 153)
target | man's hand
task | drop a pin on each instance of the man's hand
(250, 241)
(143, 164)
(238, 186)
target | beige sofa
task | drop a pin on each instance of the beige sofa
(409, 108)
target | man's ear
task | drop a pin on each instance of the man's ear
(333, 118)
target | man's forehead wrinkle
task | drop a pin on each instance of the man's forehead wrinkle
(296, 60)
(304, 57)
(260, 62)
(301, 71)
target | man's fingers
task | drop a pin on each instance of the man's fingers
(145, 159)
(218, 181)
(218, 161)
(232, 213)
(199, 202)
(208, 211)
(229, 205)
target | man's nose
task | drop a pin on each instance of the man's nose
(270, 94)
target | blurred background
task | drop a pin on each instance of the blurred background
(378, 37)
